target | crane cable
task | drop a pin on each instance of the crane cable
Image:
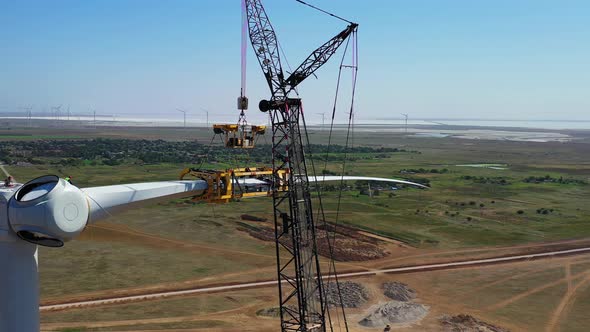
(244, 48)
(325, 12)
(321, 212)
(354, 66)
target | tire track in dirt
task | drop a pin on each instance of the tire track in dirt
(532, 291)
(570, 261)
(228, 287)
(135, 322)
(559, 244)
(564, 304)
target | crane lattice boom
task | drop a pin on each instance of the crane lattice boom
(302, 304)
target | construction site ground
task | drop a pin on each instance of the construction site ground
(523, 296)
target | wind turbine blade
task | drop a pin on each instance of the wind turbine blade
(361, 178)
(253, 182)
(4, 170)
(107, 200)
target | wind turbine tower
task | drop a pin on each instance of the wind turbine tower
(206, 112)
(183, 115)
(323, 119)
(406, 117)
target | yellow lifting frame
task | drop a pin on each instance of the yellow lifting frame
(223, 186)
(239, 136)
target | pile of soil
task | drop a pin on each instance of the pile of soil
(345, 248)
(249, 217)
(347, 231)
(398, 291)
(271, 312)
(348, 249)
(395, 312)
(353, 294)
(467, 323)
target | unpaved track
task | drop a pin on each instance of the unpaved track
(566, 300)
(534, 247)
(135, 322)
(268, 283)
(536, 290)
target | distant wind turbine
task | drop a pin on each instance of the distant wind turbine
(406, 116)
(183, 115)
(207, 112)
(323, 118)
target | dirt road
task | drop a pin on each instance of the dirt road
(269, 283)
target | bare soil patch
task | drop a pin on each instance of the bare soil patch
(467, 323)
(347, 245)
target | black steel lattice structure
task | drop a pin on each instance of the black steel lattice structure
(302, 304)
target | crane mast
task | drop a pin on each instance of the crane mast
(302, 303)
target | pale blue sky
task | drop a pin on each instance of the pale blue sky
(430, 58)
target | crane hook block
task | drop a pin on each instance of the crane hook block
(242, 103)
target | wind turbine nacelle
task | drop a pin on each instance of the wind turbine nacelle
(48, 211)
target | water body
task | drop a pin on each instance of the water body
(491, 166)
(539, 124)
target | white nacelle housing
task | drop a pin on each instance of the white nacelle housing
(48, 211)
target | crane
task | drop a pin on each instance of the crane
(301, 298)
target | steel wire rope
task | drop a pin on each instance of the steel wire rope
(208, 152)
(350, 119)
(333, 264)
(203, 161)
(321, 212)
(324, 11)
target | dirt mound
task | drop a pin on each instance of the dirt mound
(347, 231)
(467, 323)
(268, 312)
(249, 217)
(344, 247)
(398, 291)
(271, 312)
(354, 294)
(395, 312)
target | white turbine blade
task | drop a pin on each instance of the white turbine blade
(111, 199)
(326, 178)
(4, 170)
(250, 182)
(323, 178)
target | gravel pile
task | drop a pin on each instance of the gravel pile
(398, 291)
(467, 323)
(354, 294)
(395, 312)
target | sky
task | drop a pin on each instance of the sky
(490, 59)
